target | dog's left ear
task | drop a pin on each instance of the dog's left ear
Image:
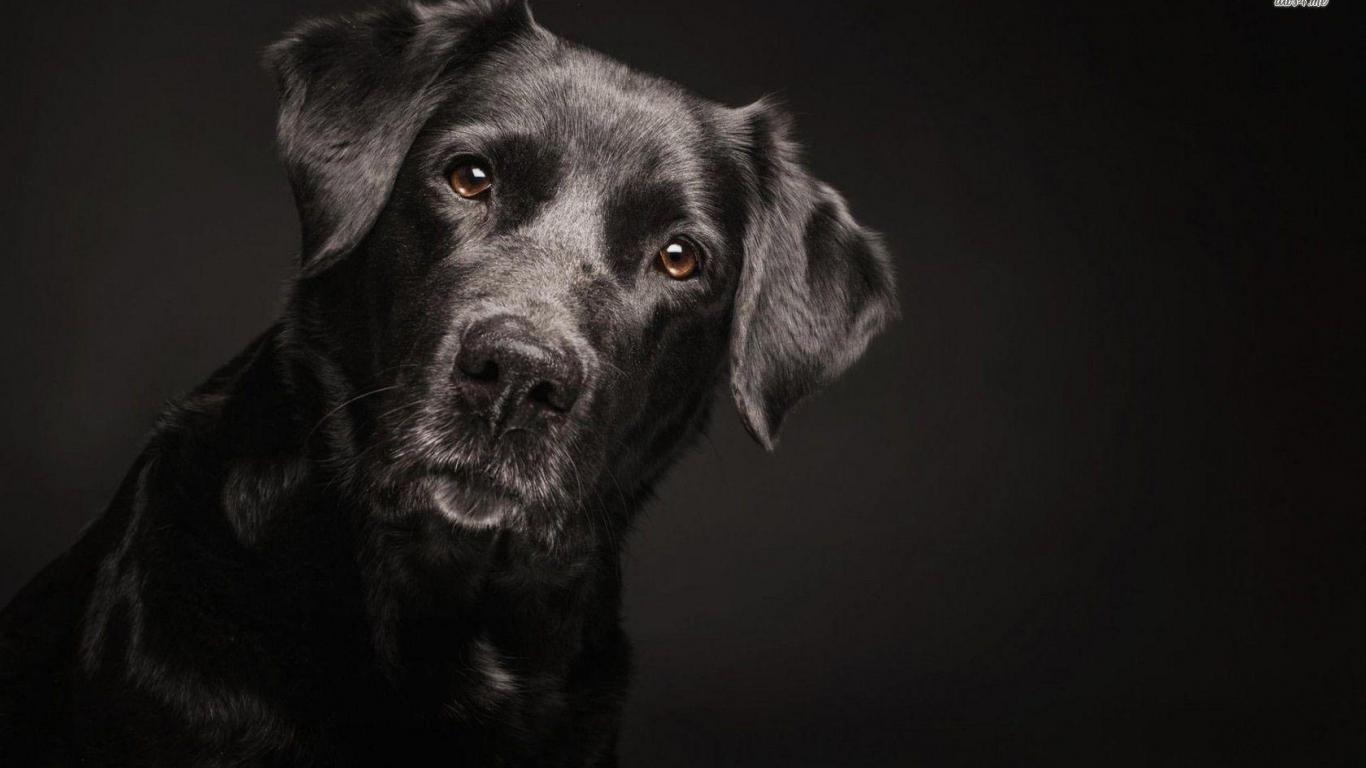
(354, 92)
(815, 287)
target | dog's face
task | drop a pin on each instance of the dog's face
(541, 262)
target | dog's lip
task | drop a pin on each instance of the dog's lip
(471, 481)
(471, 499)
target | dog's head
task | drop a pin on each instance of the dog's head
(529, 266)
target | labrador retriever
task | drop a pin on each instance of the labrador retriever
(389, 531)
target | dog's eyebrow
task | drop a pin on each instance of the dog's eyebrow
(471, 137)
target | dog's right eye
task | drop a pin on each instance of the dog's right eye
(471, 178)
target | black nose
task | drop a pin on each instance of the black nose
(513, 377)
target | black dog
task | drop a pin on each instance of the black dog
(389, 530)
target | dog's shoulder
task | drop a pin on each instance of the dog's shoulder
(40, 638)
(122, 621)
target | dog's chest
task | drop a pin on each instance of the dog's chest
(519, 662)
(509, 700)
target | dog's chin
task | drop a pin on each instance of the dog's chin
(470, 501)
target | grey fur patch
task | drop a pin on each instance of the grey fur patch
(499, 683)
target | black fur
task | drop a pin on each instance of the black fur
(332, 553)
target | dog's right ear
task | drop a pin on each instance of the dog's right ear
(354, 92)
(815, 288)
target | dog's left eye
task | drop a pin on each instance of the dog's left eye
(471, 178)
(679, 258)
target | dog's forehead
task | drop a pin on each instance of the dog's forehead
(598, 112)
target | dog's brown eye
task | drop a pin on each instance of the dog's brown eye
(679, 258)
(471, 178)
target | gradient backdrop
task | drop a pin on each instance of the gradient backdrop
(1097, 498)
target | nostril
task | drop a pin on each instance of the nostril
(548, 395)
(486, 372)
(478, 368)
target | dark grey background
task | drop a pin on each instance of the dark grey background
(1090, 500)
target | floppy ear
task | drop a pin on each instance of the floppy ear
(815, 287)
(354, 92)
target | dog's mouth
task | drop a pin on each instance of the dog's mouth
(449, 460)
(472, 497)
